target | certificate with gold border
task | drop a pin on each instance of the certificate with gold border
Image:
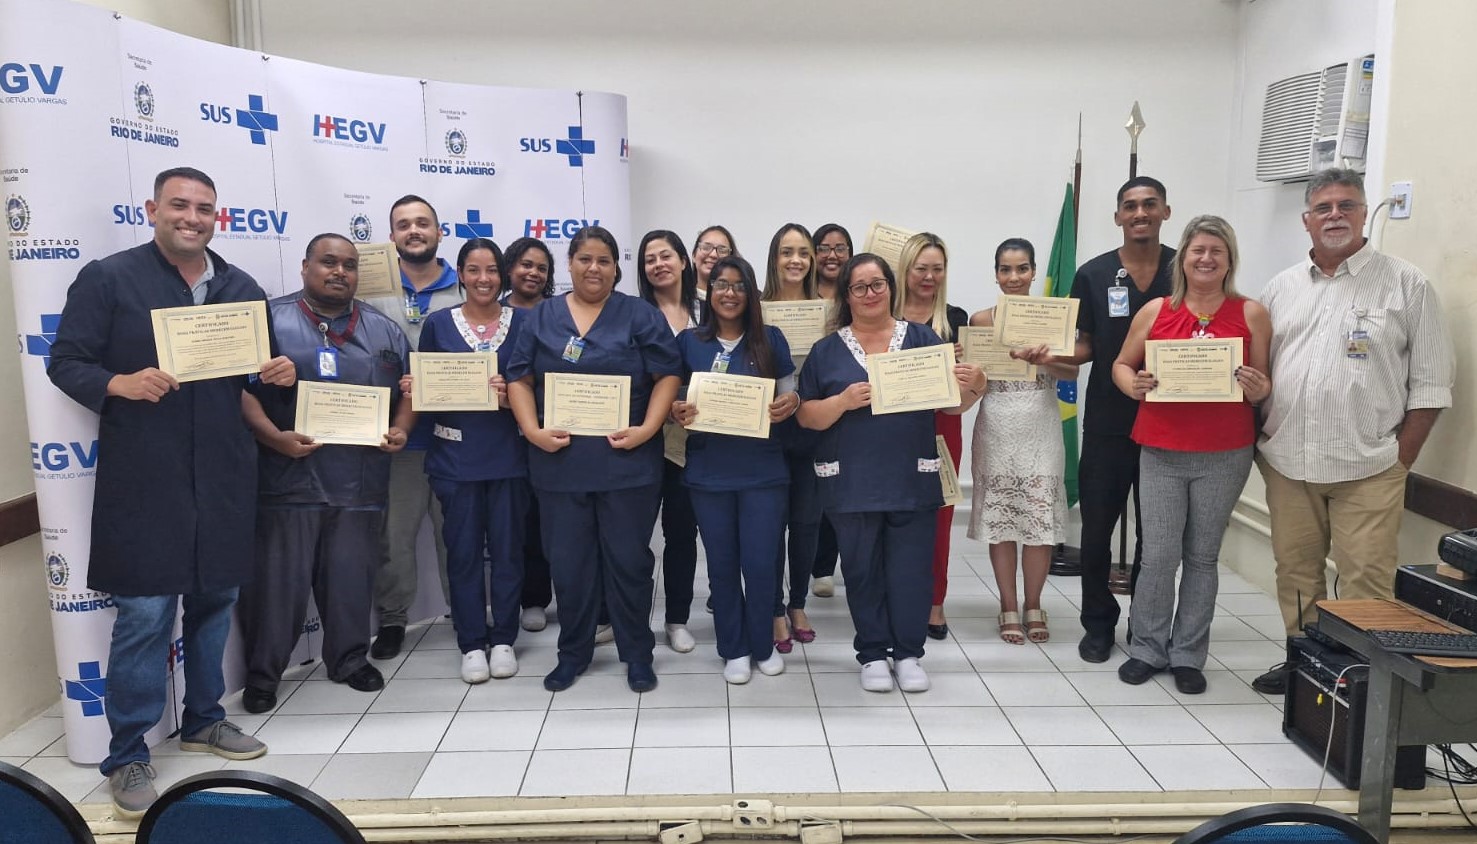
(1038, 321)
(1201, 370)
(587, 405)
(379, 270)
(913, 379)
(983, 348)
(802, 323)
(211, 341)
(737, 405)
(452, 381)
(948, 478)
(342, 414)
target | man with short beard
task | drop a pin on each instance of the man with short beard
(428, 284)
(1361, 366)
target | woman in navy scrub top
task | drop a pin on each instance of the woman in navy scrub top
(739, 485)
(598, 496)
(878, 475)
(528, 279)
(478, 468)
(667, 280)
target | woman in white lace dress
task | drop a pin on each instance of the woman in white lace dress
(1018, 462)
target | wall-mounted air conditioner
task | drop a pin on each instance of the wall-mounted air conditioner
(1314, 121)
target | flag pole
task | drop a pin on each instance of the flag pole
(1066, 560)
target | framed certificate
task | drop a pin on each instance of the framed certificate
(452, 381)
(1036, 321)
(948, 478)
(802, 323)
(379, 270)
(737, 405)
(886, 242)
(587, 405)
(211, 341)
(342, 414)
(1201, 370)
(981, 347)
(913, 379)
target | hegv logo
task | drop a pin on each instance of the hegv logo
(251, 220)
(16, 78)
(552, 228)
(344, 129)
(59, 457)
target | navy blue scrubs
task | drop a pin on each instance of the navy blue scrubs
(879, 485)
(478, 466)
(598, 504)
(739, 488)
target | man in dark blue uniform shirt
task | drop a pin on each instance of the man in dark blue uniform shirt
(176, 479)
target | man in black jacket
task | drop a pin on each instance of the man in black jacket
(173, 515)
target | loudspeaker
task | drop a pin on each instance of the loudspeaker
(1318, 704)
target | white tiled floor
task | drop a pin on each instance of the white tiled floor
(998, 718)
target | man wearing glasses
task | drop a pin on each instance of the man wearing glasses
(1361, 366)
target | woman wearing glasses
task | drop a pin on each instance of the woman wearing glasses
(713, 243)
(790, 277)
(666, 279)
(833, 249)
(924, 263)
(878, 474)
(739, 484)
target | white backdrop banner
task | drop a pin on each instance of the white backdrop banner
(93, 105)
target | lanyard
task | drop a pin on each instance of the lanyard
(322, 325)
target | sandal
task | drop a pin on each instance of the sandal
(1010, 628)
(1036, 629)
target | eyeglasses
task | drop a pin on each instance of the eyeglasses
(1346, 208)
(841, 251)
(722, 286)
(860, 290)
(720, 251)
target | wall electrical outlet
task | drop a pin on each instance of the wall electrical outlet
(1401, 194)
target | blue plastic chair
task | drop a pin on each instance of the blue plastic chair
(35, 813)
(282, 812)
(1280, 823)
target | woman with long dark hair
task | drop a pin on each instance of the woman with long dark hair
(739, 484)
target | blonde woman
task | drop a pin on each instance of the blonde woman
(924, 266)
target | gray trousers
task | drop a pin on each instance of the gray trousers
(410, 499)
(325, 550)
(1187, 499)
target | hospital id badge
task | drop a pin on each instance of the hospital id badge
(573, 349)
(328, 363)
(1117, 301)
(720, 362)
(413, 313)
(1356, 344)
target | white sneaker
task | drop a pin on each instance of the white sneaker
(910, 675)
(604, 634)
(474, 667)
(736, 671)
(823, 587)
(503, 662)
(876, 677)
(533, 619)
(679, 639)
(772, 666)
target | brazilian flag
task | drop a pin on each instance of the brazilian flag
(1060, 271)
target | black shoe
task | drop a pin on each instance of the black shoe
(387, 643)
(257, 701)
(1136, 672)
(1190, 681)
(640, 677)
(1095, 647)
(366, 679)
(709, 605)
(938, 631)
(1274, 682)
(563, 676)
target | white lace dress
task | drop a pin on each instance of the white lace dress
(1018, 459)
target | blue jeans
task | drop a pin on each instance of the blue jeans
(138, 663)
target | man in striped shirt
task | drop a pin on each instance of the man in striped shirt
(1361, 366)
